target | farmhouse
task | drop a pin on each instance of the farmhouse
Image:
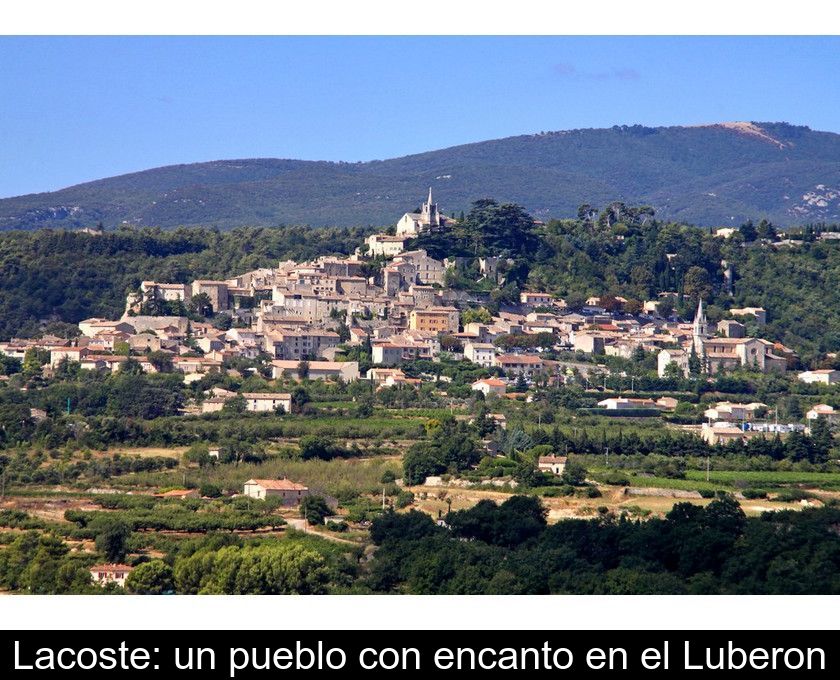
(489, 386)
(267, 401)
(348, 371)
(288, 491)
(103, 574)
(553, 464)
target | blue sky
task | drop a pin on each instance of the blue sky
(77, 109)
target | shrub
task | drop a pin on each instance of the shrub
(210, 490)
(754, 493)
(388, 477)
(559, 491)
(615, 479)
(404, 499)
(792, 496)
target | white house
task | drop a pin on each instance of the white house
(824, 411)
(822, 376)
(103, 574)
(348, 371)
(288, 491)
(481, 353)
(553, 464)
(489, 386)
(267, 401)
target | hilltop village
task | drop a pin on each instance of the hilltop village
(395, 302)
(420, 393)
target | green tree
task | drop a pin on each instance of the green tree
(573, 473)
(33, 360)
(235, 405)
(697, 284)
(151, 578)
(300, 397)
(112, 534)
(202, 305)
(162, 361)
(314, 509)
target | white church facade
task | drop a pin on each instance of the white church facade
(717, 354)
(428, 219)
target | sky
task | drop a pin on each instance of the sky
(74, 109)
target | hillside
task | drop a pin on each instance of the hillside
(706, 175)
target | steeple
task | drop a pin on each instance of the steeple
(429, 212)
(700, 330)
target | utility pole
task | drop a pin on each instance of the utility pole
(707, 467)
(607, 454)
(383, 497)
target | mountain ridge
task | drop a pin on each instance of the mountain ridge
(713, 174)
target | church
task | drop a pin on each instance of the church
(717, 354)
(428, 219)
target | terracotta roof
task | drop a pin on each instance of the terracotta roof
(278, 484)
(177, 493)
(111, 567)
(493, 382)
(518, 359)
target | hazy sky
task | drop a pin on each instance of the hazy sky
(77, 109)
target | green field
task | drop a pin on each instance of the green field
(819, 480)
(730, 480)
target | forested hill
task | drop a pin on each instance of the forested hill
(707, 175)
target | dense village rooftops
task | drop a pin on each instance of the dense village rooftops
(436, 310)
(280, 333)
(313, 365)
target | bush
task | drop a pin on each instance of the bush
(338, 527)
(314, 509)
(615, 479)
(404, 499)
(388, 477)
(574, 474)
(210, 490)
(707, 493)
(792, 496)
(754, 493)
(558, 492)
(592, 492)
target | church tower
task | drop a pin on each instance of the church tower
(429, 212)
(700, 330)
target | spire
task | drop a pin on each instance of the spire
(699, 317)
(700, 330)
